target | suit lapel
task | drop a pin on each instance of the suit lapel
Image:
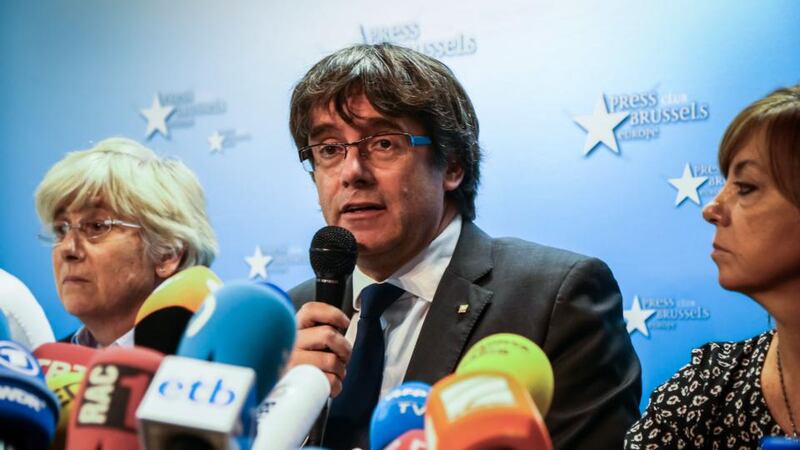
(447, 326)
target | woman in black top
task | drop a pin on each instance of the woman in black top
(732, 394)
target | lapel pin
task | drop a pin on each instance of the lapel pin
(462, 309)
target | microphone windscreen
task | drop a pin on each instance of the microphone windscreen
(190, 402)
(65, 386)
(290, 410)
(272, 286)
(483, 411)
(333, 252)
(518, 357)
(243, 324)
(57, 358)
(410, 440)
(402, 410)
(104, 412)
(28, 410)
(26, 319)
(163, 316)
(779, 443)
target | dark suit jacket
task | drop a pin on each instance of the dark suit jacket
(569, 304)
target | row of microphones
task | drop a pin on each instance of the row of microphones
(229, 345)
(231, 355)
(246, 331)
(208, 354)
(205, 355)
(496, 399)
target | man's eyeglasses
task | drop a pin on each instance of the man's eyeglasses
(381, 150)
(90, 229)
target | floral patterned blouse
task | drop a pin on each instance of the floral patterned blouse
(714, 402)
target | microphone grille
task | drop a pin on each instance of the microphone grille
(333, 252)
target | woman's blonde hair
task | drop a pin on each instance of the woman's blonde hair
(162, 195)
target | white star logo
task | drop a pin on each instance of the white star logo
(216, 142)
(156, 116)
(600, 127)
(636, 317)
(258, 263)
(687, 186)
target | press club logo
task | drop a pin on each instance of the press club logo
(409, 34)
(647, 314)
(637, 116)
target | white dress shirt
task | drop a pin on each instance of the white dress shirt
(85, 337)
(403, 319)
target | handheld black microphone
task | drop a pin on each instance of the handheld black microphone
(333, 255)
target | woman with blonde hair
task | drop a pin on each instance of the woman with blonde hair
(732, 394)
(121, 220)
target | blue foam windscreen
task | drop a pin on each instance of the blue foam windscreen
(402, 410)
(243, 324)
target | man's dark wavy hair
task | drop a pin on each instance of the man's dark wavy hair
(398, 82)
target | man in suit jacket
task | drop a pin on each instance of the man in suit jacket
(391, 141)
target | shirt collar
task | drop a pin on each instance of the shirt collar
(421, 275)
(85, 338)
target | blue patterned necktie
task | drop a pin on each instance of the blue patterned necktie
(348, 422)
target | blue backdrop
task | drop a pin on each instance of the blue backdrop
(600, 124)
